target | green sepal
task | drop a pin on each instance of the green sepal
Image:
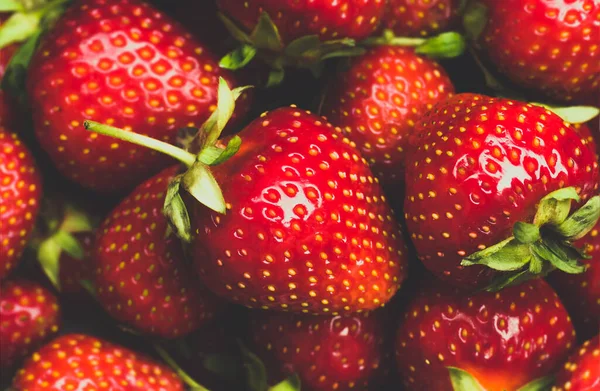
(491, 80)
(308, 50)
(572, 114)
(176, 212)
(48, 255)
(190, 139)
(217, 121)
(13, 81)
(526, 233)
(540, 384)
(536, 264)
(446, 45)
(237, 33)
(276, 76)
(581, 222)
(69, 244)
(89, 287)
(463, 380)
(187, 379)
(213, 156)
(238, 58)
(266, 35)
(509, 279)
(11, 6)
(475, 19)
(555, 207)
(256, 372)
(292, 383)
(202, 185)
(19, 27)
(222, 364)
(510, 257)
(559, 257)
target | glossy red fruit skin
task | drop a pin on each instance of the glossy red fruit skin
(587, 136)
(77, 362)
(307, 229)
(20, 195)
(327, 352)
(421, 18)
(505, 340)
(547, 46)
(29, 314)
(123, 63)
(581, 292)
(480, 164)
(581, 371)
(329, 20)
(142, 279)
(378, 101)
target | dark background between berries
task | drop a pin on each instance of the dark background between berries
(299, 88)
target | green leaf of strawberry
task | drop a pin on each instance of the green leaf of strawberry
(463, 381)
(238, 58)
(175, 211)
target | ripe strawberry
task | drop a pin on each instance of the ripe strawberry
(478, 166)
(329, 20)
(581, 372)
(504, 340)
(29, 314)
(20, 193)
(307, 227)
(124, 63)
(328, 353)
(581, 292)
(587, 137)
(378, 101)
(142, 279)
(546, 46)
(421, 18)
(82, 362)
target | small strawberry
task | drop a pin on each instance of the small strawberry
(124, 63)
(421, 18)
(481, 171)
(29, 314)
(326, 352)
(581, 372)
(546, 46)
(82, 362)
(20, 194)
(301, 224)
(500, 340)
(378, 101)
(141, 278)
(581, 292)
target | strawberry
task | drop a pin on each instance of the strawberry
(501, 340)
(421, 18)
(581, 372)
(326, 352)
(587, 136)
(124, 63)
(141, 278)
(20, 194)
(480, 167)
(545, 46)
(82, 362)
(29, 314)
(378, 101)
(298, 224)
(581, 292)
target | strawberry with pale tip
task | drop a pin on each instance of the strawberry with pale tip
(489, 192)
(483, 341)
(126, 64)
(29, 314)
(581, 372)
(298, 224)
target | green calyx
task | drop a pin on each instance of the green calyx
(474, 20)
(256, 374)
(542, 246)
(463, 381)
(572, 114)
(198, 180)
(446, 45)
(265, 42)
(183, 375)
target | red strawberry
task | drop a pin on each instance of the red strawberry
(29, 314)
(307, 227)
(20, 193)
(547, 46)
(81, 362)
(421, 18)
(504, 340)
(480, 165)
(378, 101)
(124, 63)
(587, 136)
(581, 372)
(328, 353)
(142, 279)
(581, 292)
(328, 19)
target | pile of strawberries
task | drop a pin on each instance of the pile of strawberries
(417, 210)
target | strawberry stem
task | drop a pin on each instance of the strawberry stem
(177, 153)
(180, 372)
